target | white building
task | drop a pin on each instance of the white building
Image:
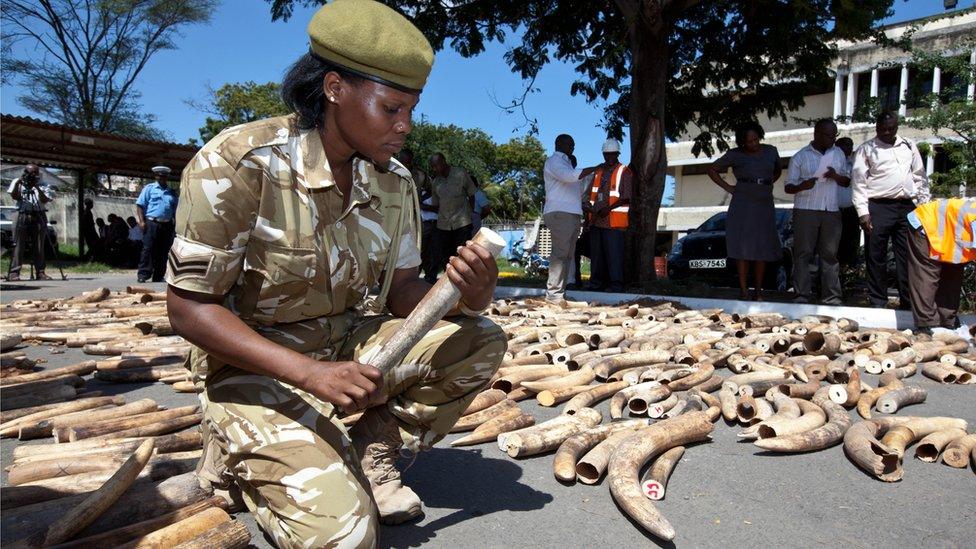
(861, 71)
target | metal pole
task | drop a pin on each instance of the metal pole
(82, 175)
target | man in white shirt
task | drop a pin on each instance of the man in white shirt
(850, 233)
(889, 181)
(815, 173)
(563, 213)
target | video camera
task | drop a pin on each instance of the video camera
(29, 178)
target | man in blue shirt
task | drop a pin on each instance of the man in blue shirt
(155, 211)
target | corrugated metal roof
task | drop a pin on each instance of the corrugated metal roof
(24, 139)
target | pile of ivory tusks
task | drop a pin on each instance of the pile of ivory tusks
(117, 473)
(790, 383)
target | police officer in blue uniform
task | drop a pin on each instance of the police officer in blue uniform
(155, 212)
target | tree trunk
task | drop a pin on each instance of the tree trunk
(649, 78)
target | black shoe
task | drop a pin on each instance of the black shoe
(142, 280)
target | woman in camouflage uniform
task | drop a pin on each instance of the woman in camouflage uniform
(284, 227)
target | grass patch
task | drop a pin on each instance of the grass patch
(68, 258)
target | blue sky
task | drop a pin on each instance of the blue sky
(241, 43)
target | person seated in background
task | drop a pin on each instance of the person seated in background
(116, 240)
(134, 243)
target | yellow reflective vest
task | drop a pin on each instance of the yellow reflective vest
(950, 225)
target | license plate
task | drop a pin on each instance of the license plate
(707, 263)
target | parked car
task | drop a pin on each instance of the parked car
(8, 221)
(701, 254)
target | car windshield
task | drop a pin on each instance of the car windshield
(714, 223)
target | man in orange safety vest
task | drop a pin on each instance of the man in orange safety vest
(609, 211)
(941, 242)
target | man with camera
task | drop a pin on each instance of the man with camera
(31, 227)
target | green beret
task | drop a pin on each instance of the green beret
(372, 40)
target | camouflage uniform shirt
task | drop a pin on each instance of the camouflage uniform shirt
(262, 222)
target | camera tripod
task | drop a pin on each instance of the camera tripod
(47, 240)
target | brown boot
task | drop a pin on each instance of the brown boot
(376, 438)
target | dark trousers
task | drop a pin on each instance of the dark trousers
(429, 251)
(582, 248)
(31, 232)
(156, 242)
(935, 287)
(850, 238)
(449, 242)
(607, 259)
(816, 231)
(889, 224)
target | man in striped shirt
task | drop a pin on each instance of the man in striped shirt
(813, 177)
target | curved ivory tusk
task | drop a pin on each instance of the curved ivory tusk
(470, 421)
(563, 354)
(514, 380)
(931, 446)
(511, 420)
(538, 439)
(956, 454)
(898, 359)
(803, 391)
(642, 396)
(652, 391)
(710, 385)
(786, 408)
(643, 446)
(607, 366)
(819, 343)
(570, 451)
(483, 400)
(655, 480)
(847, 395)
(685, 405)
(750, 410)
(749, 378)
(811, 417)
(727, 398)
(660, 408)
(590, 468)
(594, 395)
(937, 371)
(556, 396)
(583, 376)
(897, 373)
(822, 437)
(867, 400)
(709, 400)
(893, 401)
(862, 446)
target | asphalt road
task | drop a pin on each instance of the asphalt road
(724, 493)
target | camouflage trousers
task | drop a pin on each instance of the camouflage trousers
(292, 458)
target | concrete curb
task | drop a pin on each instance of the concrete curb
(868, 317)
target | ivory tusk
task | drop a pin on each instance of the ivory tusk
(867, 400)
(573, 448)
(931, 446)
(583, 376)
(483, 400)
(594, 395)
(470, 421)
(655, 480)
(643, 446)
(491, 429)
(608, 365)
(956, 454)
(822, 437)
(542, 438)
(893, 401)
(650, 391)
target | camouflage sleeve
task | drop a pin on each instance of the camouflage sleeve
(409, 254)
(217, 209)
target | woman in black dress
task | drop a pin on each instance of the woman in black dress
(751, 237)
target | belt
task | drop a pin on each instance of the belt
(756, 180)
(892, 200)
(160, 220)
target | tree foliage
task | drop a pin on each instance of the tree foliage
(237, 103)
(951, 115)
(667, 69)
(510, 173)
(729, 61)
(90, 53)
